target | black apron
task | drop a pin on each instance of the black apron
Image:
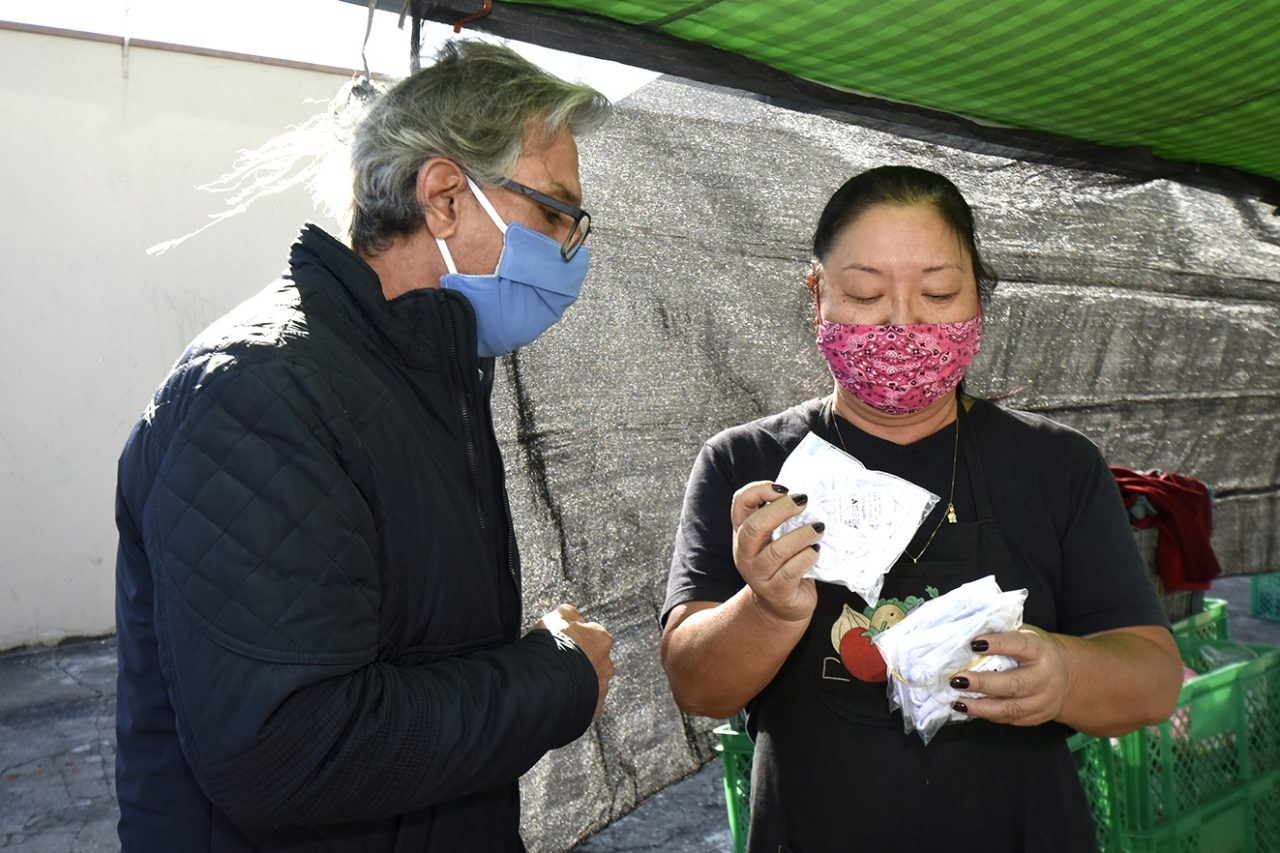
(833, 769)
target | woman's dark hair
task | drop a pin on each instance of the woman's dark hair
(905, 186)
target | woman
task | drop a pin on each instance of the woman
(1023, 498)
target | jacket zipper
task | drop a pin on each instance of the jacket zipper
(464, 412)
(473, 460)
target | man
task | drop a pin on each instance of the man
(318, 590)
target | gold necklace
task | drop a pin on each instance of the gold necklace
(950, 515)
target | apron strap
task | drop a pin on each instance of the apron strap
(977, 480)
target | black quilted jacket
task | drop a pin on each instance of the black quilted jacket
(318, 596)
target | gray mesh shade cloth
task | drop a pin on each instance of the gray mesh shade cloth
(1143, 313)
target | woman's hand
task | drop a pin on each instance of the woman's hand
(1106, 684)
(774, 569)
(1029, 695)
(719, 655)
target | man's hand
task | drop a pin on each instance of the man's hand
(591, 637)
(774, 569)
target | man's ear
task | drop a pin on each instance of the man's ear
(441, 182)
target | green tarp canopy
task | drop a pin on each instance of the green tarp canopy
(1181, 89)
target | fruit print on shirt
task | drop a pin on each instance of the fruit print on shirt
(852, 632)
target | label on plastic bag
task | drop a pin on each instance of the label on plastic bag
(870, 515)
(865, 509)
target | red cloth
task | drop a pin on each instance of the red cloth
(1184, 517)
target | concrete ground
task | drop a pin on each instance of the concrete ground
(57, 749)
(57, 753)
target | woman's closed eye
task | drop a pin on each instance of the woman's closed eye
(861, 299)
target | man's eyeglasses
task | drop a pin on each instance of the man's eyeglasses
(581, 219)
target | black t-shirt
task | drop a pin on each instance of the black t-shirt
(1057, 504)
(1059, 513)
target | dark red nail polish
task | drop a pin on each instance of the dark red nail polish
(979, 645)
(814, 546)
(780, 489)
(960, 683)
(961, 707)
(800, 500)
(819, 526)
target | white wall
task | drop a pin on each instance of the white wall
(98, 160)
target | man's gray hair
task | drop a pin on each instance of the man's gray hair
(472, 107)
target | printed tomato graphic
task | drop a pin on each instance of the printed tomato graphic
(862, 659)
(852, 632)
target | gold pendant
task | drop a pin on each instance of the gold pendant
(951, 513)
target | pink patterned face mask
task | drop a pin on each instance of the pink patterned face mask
(899, 369)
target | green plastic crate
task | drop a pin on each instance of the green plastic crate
(1209, 624)
(1264, 597)
(736, 752)
(1224, 734)
(1095, 763)
(1244, 820)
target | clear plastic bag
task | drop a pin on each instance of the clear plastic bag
(870, 515)
(1224, 653)
(931, 644)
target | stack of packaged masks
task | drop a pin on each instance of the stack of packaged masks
(931, 644)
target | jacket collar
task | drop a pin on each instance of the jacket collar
(424, 328)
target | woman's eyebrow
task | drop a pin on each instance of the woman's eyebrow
(934, 268)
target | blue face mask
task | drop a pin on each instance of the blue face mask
(528, 292)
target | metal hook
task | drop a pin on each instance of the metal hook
(462, 22)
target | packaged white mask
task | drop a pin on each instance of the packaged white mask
(931, 644)
(870, 515)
